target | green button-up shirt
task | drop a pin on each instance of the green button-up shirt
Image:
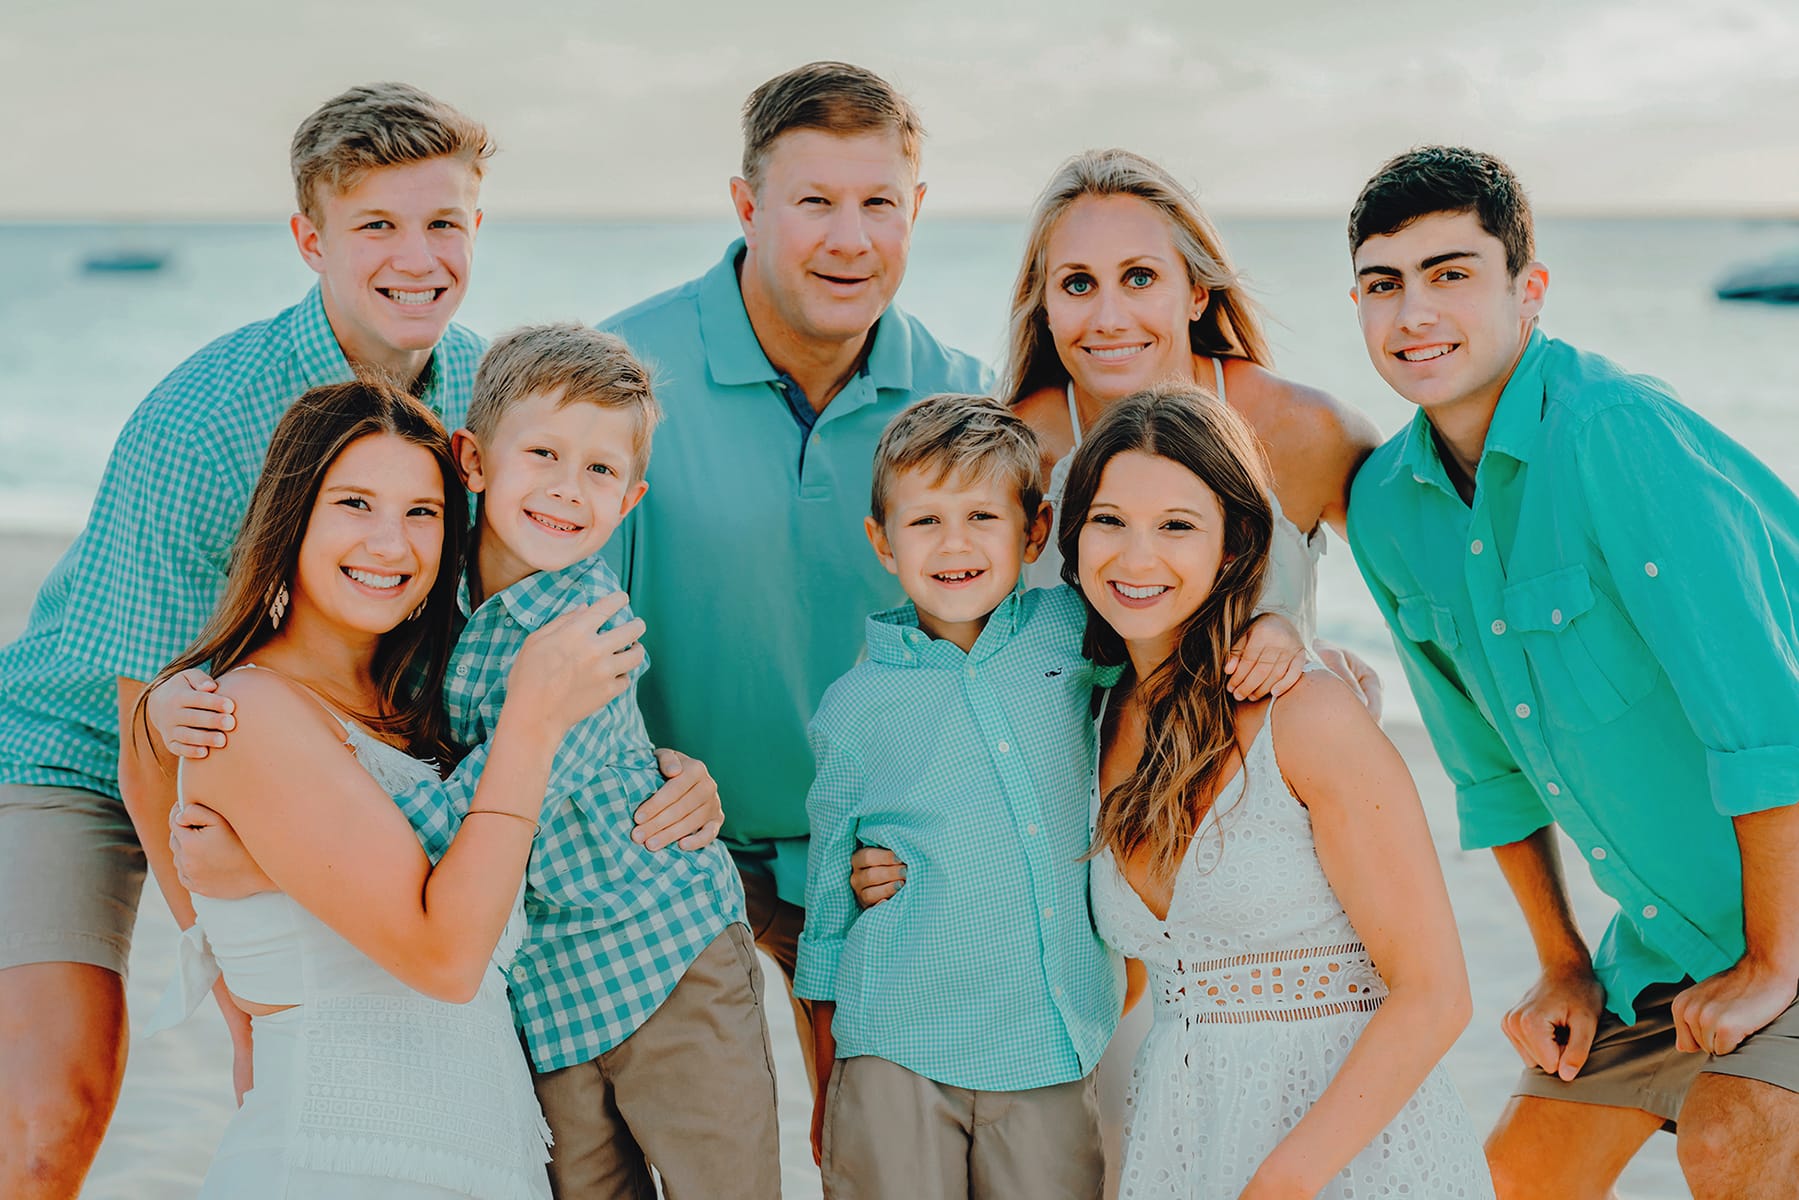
(746, 559)
(137, 585)
(1605, 639)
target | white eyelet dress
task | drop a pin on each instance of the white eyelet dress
(1290, 585)
(1259, 987)
(367, 1089)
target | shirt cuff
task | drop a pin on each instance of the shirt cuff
(815, 972)
(1499, 811)
(1754, 780)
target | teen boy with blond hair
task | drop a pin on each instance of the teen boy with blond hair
(778, 369)
(1592, 590)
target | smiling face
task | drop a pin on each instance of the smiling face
(374, 540)
(1117, 298)
(393, 255)
(1443, 320)
(957, 546)
(555, 481)
(828, 230)
(1150, 550)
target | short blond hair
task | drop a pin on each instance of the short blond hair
(835, 97)
(378, 125)
(579, 365)
(959, 437)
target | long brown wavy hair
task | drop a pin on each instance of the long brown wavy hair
(411, 658)
(1190, 718)
(1230, 326)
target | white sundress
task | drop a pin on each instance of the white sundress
(1259, 987)
(1290, 586)
(367, 1089)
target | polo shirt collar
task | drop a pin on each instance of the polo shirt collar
(322, 361)
(734, 357)
(541, 596)
(895, 639)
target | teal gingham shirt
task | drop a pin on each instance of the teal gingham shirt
(976, 769)
(136, 587)
(1604, 640)
(751, 535)
(612, 926)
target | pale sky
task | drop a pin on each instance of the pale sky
(183, 108)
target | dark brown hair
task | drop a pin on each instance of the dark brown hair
(1190, 718)
(410, 660)
(835, 97)
(1447, 179)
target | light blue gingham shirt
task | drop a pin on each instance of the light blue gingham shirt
(136, 587)
(1604, 639)
(985, 970)
(612, 926)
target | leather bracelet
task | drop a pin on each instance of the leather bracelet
(496, 812)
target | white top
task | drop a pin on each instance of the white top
(456, 1110)
(1260, 987)
(1290, 586)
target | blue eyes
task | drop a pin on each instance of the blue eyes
(1141, 277)
(1082, 284)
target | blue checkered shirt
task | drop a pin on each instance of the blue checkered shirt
(136, 588)
(612, 926)
(985, 970)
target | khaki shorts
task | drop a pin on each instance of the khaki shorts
(71, 871)
(1637, 1066)
(890, 1133)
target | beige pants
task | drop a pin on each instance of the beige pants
(891, 1133)
(691, 1093)
(70, 875)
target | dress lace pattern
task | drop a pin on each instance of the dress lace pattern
(1260, 987)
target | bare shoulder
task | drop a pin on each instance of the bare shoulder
(1298, 414)
(1323, 731)
(280, 726)
(1046, 412)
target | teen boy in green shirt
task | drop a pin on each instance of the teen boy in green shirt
(1592, 590)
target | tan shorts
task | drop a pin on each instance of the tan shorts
(1637, 1066)
(71, 872)
(691, 1093)
(891, 1133)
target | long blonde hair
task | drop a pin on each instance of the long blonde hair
(1190, 718)
(1229, 327)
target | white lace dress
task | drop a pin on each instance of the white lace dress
(1259, 987)
(367, 1089)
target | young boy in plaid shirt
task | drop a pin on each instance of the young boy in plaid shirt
(636, 990)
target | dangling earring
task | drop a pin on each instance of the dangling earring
(418, 612)
(278, 607)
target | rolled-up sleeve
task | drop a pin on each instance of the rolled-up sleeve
(1698, 565)
(832, 807)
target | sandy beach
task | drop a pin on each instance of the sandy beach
(177, 1094)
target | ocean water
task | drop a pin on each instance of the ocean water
(79, 350)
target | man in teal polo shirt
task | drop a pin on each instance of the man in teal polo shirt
(1593, 591)
(778, 369)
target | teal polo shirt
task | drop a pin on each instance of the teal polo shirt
(746, 559)
(1604, 639)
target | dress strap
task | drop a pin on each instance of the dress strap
(1074, 415)
(1218, 377)
(330, 710)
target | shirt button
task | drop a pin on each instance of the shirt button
(1555, 618)
(1523, 711)
(1058, 992)
(1005, 747)
(1476, 546)
(1498, 627)
(1031, 830)
(1048, 913)
(462, 668)
(1651, 570)
(1649, 911)
(518, 973)
(1598, 853)
(1553, 788)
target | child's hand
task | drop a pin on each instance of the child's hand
(1267, 660)
(876, 873)
(188, 714)
(1353, 670)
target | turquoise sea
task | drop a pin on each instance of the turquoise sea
(79, 349)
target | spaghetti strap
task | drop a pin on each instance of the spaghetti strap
(320, 700)
(1218, 377)
(1074, 414)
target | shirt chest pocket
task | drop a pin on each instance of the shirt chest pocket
(1423, 621)
(1588, 661)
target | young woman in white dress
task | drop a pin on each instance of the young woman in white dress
(1267, 861)
(385, 1061)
